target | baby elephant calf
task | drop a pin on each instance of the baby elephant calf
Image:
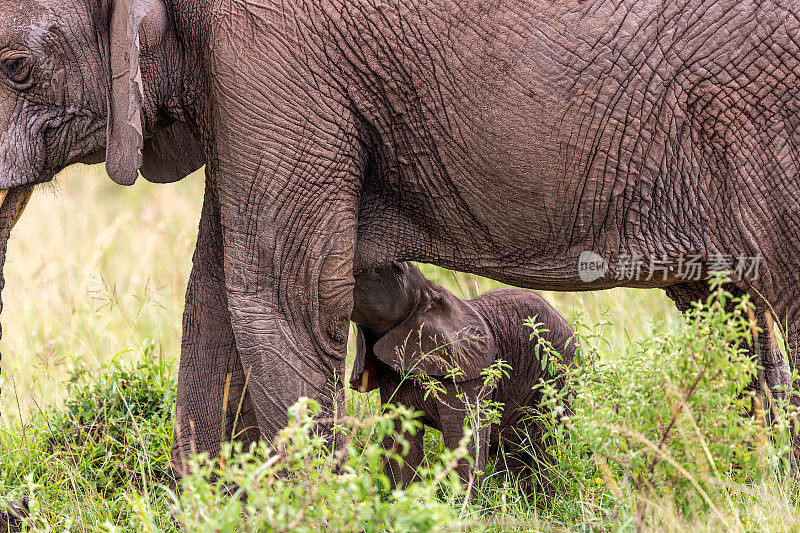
(409, 325)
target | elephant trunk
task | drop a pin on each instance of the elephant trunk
(12, 203)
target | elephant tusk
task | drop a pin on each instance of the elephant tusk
(364, 381)
(21, 205)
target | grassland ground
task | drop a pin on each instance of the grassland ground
(95, 282)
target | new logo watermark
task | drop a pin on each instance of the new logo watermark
(591, 267)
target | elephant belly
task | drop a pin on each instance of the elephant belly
(512, 157)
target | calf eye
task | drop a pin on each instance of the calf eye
(16, 67)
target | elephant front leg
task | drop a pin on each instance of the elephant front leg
(289, 232)
(212, 404)
(291, 328)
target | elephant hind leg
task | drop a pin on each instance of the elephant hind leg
(213, 403)
(773, 369)
(773, 366)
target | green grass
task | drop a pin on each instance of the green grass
(94, 293)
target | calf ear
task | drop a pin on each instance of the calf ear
(173, 152)
(446, 333)
(365, 371)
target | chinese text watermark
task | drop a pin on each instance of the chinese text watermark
(684, 267)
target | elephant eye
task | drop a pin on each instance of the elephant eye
(16, 67)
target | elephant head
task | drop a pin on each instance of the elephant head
(84, 81)
(414, 325)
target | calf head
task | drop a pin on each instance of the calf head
(416, 327)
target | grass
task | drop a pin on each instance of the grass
(92, 271)
(95, 282)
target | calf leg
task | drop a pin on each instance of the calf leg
(452, 414)
(404, 470)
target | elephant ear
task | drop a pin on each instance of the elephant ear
(445, 333)
(170, 154)
(364, 377)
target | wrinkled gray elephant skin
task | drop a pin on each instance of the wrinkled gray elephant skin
(503, 138)
(409, 326)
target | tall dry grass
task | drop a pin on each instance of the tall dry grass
(93, 269)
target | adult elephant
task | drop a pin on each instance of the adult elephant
(504, 138)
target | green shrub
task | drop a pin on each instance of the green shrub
(670, 431)
(114, 426)
(101, 461)
(300, 484)
(658, 434)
